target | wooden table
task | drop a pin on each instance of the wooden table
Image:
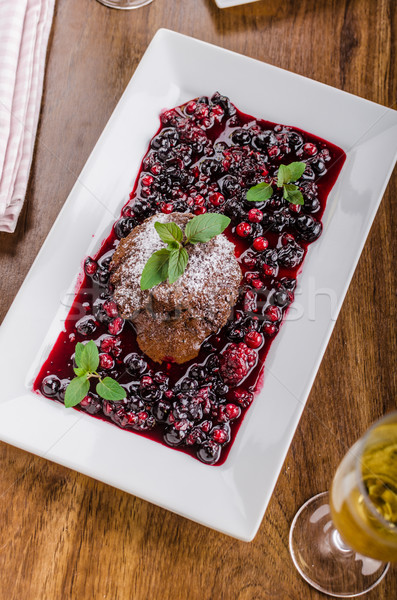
(64, 535)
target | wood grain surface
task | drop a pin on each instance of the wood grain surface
(66, 536)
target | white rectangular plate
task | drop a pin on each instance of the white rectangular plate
(231, 498)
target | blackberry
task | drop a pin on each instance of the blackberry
(86, 326)
(242, 137)
(161, 411)
(281, 298)
(309, 229)
(135, 364)
(173, 437)
(225, 103)
(309, 174)
(290, 256)
(209, 452)
(50, 385)
(295, 139)
(99, 312)
(230, 186)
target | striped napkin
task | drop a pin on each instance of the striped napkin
(24, 29)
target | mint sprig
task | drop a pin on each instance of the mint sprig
(171, 262)
(76, 391)
(156, 269)
(259, 193)
(205, 227)
(109, 389)
(177, 264)
(291, 172)
(286, 174)
(292, 194)
(169, 232)
(87, 360)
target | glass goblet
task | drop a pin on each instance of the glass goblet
(125, 4)
(341, 541)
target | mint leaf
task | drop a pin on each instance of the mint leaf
(259, 193)
(89, 357)
(204, 227)
(156, 269)
(291, 172)
(109, 389)
(79, 371)
(77, 353)
(171, 262)
(173, 245)
(296, 170)
(293, 194)
(283, 175)
(76, 390)
(169, 232)
(178, 261)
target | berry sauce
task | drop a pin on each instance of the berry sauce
(204, 157)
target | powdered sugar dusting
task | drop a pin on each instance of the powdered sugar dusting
(210, 280)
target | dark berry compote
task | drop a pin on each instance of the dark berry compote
(204, 158)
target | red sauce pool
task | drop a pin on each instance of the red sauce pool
(205, 157)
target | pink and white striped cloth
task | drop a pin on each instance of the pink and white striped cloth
(24, 30)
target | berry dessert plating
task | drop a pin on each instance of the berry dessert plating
(170, 327)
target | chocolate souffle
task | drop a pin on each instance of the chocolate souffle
(173, 320)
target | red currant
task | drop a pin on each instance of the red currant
(260, 243)
(200, 210)
(255, 215)
(269, 329)
(310, 149)
(216, 199)
(243, 229)
(90, 266)
(190, 107)
(167, 208)
(147, 180)
(273, 313)
(232, 411)
(199, 200)
(253, 339)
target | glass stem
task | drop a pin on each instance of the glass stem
(338, 542)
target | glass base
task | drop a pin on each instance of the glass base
(125, 4)
(323, 559)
